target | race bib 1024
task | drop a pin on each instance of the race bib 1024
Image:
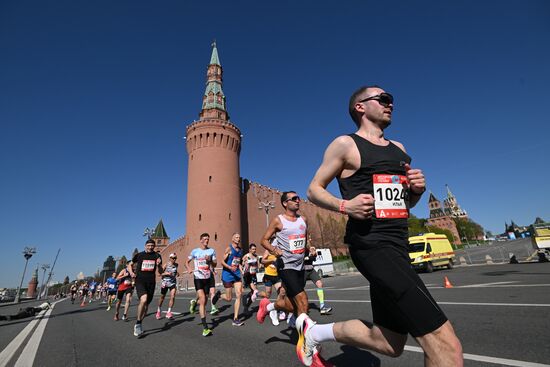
(389, 194)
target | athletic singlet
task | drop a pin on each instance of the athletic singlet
(125, 282)
(271, 269)
(202, 267)
(292, 240)
(112, 284)
(251, 265)
(376, 160)
(170, 280)
(234, 258)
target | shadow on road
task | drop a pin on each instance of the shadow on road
(167, 325)
(352, 356)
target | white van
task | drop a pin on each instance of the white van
(323, 265)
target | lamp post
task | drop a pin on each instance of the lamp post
(27, 253)
(43, 286)
(148, 232)
(266, 200)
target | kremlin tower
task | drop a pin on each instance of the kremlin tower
(213, 178)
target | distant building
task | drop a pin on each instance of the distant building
(441, 218)
(108, 268)
(513, 231)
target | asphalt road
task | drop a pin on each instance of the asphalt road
(501, 313)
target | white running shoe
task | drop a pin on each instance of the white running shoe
(273, 317)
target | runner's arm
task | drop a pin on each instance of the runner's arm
(225, 256)
(274, 227)
(130, 270)
(334, 162)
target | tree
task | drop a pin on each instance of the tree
(416, 225)
(468, 229)
(331, 231)
(444, 231)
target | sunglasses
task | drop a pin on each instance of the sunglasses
(294, 198)
(385, 99)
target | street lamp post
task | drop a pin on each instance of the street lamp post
(42, 285)
(266, 206)
(148, 232)
(27, 253)
(266, 200)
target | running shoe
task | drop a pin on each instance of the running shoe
(116, 317)
(216, 297)
(124, 317)
(306, 347)
(193, 306)
(318, 361)
(169, 315)
(138, 330)
(158, 315)
(262, 310)
(237, 322)
(109, 308)
(206, 332)
(274, 318)
(254, 296)
(325, 310)
(214, 310)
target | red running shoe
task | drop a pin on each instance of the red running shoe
(262, 311)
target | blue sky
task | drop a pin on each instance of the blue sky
(95, 98)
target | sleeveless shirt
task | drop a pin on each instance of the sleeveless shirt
(292, 241)
(375, 159)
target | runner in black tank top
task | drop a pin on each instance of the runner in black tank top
(378, 187)
(375, 159)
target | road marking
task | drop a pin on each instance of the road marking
(26, 358)
(475, 357)
(8, 352)
(485, 284)
(452, 303)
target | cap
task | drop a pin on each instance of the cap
(173, 254)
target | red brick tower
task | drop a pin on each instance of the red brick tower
(31, 291)
(213, 177)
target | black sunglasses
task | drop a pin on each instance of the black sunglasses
(385, 99)
(294, 198)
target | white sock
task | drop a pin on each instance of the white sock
(169, 309)
(270, 307)
(322, 333)
(158, 309)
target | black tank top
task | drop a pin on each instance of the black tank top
(375, 159)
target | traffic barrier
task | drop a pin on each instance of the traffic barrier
(447, 283)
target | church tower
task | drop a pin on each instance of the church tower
(213, 177)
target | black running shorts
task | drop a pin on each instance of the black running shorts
(203, 284)
(147, 288)
(400, 300)
(121, 293)
(293, 281)
(249, 279)
(165, 290)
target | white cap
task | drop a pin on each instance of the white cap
(173, 254)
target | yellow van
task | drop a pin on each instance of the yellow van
(430, 250)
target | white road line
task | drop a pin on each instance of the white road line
(8, 352)
(501, 361)
(485, 284)
(452, 303)
(26, 358)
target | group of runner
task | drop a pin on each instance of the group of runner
(378, 187)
